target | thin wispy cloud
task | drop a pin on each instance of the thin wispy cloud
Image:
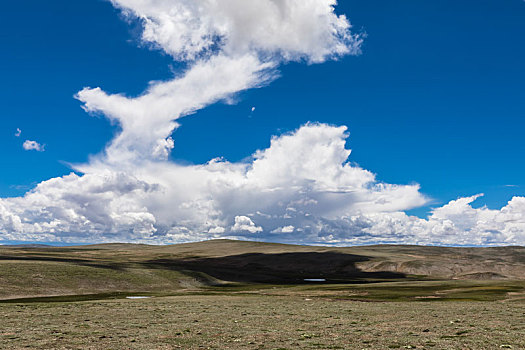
(18, 132)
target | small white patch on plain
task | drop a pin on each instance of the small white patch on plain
(18, 132)
(138, 297)
(253, 109)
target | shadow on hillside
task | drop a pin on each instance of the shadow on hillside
(81, 262)
(285, 268)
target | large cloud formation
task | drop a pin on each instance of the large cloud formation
(301, 189)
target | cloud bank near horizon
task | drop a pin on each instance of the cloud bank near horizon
(302, 189)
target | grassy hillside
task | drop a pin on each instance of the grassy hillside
(215, 266)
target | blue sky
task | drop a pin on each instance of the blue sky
(436, 97)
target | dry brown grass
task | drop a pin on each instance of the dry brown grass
(209, 296)
(261, 322)
(140, 268)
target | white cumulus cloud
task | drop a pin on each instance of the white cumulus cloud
(231, 45)
(29, 145)
(285, 229)
(245, 224)
(289, 29)
(302, 188)
(321, 199)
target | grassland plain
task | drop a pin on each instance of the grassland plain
(247, 295)
(255, 321)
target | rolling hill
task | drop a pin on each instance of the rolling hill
(110, 268)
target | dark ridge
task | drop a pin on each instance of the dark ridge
(83, 262)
